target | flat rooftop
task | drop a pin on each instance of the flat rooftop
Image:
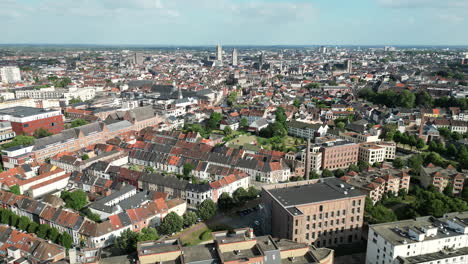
(444, 254)
(324, 190)
(201, 253)
(397, 233)
(23, 111)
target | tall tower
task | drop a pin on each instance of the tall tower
(234, 57)
(307, 161)
(219, 55)
(262, 61)
(349, 66)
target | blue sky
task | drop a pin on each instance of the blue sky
(235, 22)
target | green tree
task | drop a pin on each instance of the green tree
(78, 122)
(6, 216)
(127, 241)
(407, 99)
(24, 223)
(85, 157)
(415, 162)
(42, 231)
(75, 200)
(15, 189)
(148, 234)
(42, 133)
(172, 223)
(66, 240)
(231, 99)
(424, 99)
(240, 195)
(420, 144)
(339, 173)
(32, 228)
(353, 167)
(363, 166)
(327, 173)
(244, 123)
(398, 163)
(252, 192)
(225, 202)
(19, 141)
(297, 103)
(448, 190)
(213, 121)
(227, 130)
(190, 218)
(207, 209)
(187, 170)
(340, 125)
(53, 234)
(14, 219)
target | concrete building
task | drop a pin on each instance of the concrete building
(423, 240)
(325, 212)
(377, 152)
(10, 74)
(26, 120)
(6, 131)
(235, 247)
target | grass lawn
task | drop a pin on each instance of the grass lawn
(197, 237)
(254, 142)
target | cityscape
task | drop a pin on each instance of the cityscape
(115, 151)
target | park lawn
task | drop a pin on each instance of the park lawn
(196, 237)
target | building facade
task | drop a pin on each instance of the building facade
(325, 212)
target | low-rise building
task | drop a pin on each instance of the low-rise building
(377, 152)
(237, 246)
(421, 240)
(26, 120)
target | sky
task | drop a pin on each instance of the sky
(235, 22)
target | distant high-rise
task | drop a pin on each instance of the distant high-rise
(349, 66)
(139, 58)
(219, 55)
(261, 61)
(234, 57)
(10, 74)
(323, 49)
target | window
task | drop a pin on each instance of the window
(321, 208)
(26, 125)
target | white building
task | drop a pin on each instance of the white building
(10, 74)
(421, 240)
(376, 152)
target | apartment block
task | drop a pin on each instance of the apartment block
(324, 212)
(377, 152)
(443, 177)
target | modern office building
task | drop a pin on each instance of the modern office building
(324, 212)
(427, 240)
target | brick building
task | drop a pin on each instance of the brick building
(26, 120)
(339, 154)
(325, 212)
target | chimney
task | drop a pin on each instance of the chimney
(307, 161)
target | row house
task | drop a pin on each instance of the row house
(81, 229)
